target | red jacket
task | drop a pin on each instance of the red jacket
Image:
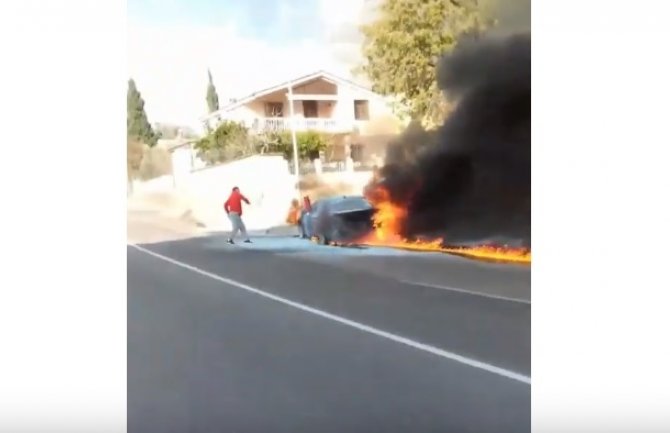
(234, 202)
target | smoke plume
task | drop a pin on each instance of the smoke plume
(469, 181)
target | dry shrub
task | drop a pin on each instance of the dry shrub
(134, 155)
(156, 162)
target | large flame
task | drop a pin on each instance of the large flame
(390, 219)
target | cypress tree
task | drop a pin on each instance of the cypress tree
(212, 97)
(138, 125)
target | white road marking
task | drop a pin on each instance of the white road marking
(468, 292)
(360, 326)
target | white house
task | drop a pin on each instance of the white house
(322, 102)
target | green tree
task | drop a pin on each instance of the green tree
(309, 143)
(402, 47)
(228, 141)
(138, 126)
(231, 140)
(212, 96)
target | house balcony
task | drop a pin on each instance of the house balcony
(279, 124)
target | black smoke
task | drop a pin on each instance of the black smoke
(470, 180)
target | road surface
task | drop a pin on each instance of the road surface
(283, 336)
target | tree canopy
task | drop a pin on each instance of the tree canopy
(212, 96)
(138, 126)
(309, 143)
(231, 140)
(403, 45)
(228, 141)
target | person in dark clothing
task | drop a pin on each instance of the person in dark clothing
(233, 207)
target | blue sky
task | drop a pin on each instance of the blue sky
(246, 44)
(274, 21)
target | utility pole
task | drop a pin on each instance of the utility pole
(293, 138)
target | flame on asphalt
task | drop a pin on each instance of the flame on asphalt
(390, 218)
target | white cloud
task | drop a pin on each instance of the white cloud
(341, 21)
(169, 63)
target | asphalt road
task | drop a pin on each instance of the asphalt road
(277, 337)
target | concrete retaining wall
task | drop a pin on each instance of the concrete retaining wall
(264, 180)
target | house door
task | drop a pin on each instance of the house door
(310, 109)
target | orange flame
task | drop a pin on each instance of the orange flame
(390, 218)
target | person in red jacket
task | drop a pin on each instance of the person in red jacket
(233, 207)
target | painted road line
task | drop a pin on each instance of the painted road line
(360, 326)
(467, 292)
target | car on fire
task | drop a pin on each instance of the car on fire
(340, 219)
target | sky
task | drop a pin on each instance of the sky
(247, 45)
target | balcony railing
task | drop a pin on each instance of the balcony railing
(278, 124)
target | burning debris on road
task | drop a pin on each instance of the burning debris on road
(470, 180)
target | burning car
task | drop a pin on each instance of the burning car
(338, 219)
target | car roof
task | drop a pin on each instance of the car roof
(346, 197)
(339, 198)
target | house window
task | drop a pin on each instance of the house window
(310, 109)
(361, 110)
(357, 152)
(274, 109)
